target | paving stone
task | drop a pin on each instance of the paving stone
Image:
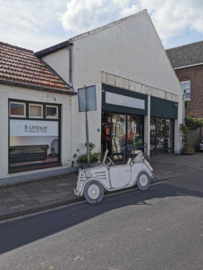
(55, 196)
(42, 199)
(3, 206)
(17, 206)
(6, 196)
(3, 191)
(14, 204)
(37, 185)
(62, 184)
(25, 198)
(66, 193)
(10, 199)
(32, 202)
(45, 191)
(59, 190)
(16, 190)
(34, 193)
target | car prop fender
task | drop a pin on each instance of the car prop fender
(87, 181)
(137, 168)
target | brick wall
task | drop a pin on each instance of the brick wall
(196, 136)
(195, 76)
(12, 92)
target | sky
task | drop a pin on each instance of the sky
(38, 24)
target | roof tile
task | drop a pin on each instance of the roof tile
(22, 66)
(186, 55)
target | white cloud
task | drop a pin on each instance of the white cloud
(170, 17)
(38, 24)
(28, 23)
(173, 18)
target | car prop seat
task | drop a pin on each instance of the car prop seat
(139, 158)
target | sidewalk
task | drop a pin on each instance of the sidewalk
(48, 193)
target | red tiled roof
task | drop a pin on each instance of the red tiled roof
(22, 66)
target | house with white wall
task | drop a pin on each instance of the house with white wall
(139, 98)
(35, 118)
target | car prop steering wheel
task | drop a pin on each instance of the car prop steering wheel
(110, 162)
(105, 157)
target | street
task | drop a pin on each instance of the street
(161, 228)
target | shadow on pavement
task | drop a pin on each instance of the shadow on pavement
(19, 232)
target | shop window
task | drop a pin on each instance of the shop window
(35, 111)
(186, 87)
(17, 109)
(33, 144)
(51, 111)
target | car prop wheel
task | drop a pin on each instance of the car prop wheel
(93, 192)
(143, 181)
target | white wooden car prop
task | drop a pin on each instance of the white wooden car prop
(92, 181)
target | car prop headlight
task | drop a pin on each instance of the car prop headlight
(88, 174)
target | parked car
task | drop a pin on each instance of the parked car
(92, 182)
(201, 146)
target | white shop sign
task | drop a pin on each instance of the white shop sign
(125, 101)
(33, 128)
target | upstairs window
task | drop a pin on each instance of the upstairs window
(51, 111)
(17, 109)
(186, 87)
(35, 111)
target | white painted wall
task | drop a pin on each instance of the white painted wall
(131, 52)
(59, 61)
(12, 92)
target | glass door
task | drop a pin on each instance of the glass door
(161, 135)
(118, 136)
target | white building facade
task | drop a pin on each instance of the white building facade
(138, 93)
(138, 100)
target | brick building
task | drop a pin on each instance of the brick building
(187, 62)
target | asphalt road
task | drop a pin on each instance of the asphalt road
(161, 228)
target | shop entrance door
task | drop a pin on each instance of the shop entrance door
(161, 136)
(118, 136)
(120, 132)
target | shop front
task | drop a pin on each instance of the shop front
(124, 127)
(34, 135)
(163, 115)
(122, 121)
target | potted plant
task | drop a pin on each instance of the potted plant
(187, 147)
(82, 158)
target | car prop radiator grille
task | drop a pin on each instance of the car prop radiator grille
(100, 175)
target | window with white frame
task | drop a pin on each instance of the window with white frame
(17, 109)
(35, 111)
(186, 87)
(51, 111)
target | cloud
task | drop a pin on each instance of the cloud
(39, 24)
(30, 24)
(173, 18)
(170, 17)
(83, 15)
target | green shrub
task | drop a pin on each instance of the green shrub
(94, 157)
(186, 137)
(186, 103)
(193, 123)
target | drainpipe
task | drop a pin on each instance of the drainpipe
(70, 43)
(184, 106)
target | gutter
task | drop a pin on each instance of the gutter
(70, 43)
(188, 66)
(35, 87)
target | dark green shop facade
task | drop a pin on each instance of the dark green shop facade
(123, 122)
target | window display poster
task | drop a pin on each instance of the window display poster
(33, 142)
